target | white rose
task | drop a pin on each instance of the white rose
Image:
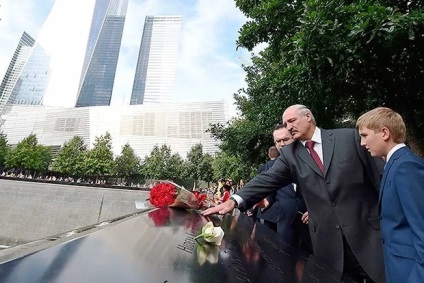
(208, 253)
(212, 234)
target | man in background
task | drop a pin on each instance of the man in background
(281, 210)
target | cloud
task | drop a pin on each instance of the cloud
(17, 17)
(209, 67)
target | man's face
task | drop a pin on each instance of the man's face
(373, 142)
(282, 137)
(299, 126)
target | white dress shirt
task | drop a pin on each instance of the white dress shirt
(316, 137)
(393, 150)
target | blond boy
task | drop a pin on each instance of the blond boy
(401, 196)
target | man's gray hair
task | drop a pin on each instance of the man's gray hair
(303, 110)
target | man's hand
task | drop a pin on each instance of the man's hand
(305, 218)
(222, 208)
(262, 204)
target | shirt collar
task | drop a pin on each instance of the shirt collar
(316, 137)
(393, 150)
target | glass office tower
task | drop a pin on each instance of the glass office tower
(154, 80)
(99, 68)
(73, 60)
(15, 68)
(51, 74)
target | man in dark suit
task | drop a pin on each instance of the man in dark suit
(383, 133)
(280, 209)
(339, 182)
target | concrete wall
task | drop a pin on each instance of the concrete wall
(31, 211)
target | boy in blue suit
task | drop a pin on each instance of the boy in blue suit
(401, 196)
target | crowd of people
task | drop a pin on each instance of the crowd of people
(70, 179)
(363, 189)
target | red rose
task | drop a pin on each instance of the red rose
(163, 194)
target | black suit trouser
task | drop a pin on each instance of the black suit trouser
(352, 268)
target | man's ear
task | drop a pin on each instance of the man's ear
(386, 133)
(308, 116)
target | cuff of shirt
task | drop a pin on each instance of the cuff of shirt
(239, 200)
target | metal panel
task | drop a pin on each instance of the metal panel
(159, 246)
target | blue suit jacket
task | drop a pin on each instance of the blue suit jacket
(401, 205)
(283, 208)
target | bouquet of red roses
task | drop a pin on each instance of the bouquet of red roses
(167, 193)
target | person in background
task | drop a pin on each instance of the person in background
(383, 133)
(218, 192)
(227, 193)
(280, 210)
(339, 181)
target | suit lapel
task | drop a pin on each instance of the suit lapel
(327, 148)
(304, 155)
(383, 182)
(398, 153)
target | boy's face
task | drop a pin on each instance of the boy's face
(373, 142)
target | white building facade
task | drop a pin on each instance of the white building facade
(179, 126)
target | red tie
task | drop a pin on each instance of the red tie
(310, 145)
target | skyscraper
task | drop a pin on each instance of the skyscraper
(15, 67)
(99, 68)
(74, 56)
(154, 80)
(53, 69)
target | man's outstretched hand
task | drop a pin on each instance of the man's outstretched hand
(222, 208)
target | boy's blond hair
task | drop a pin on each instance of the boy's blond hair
(381, 117)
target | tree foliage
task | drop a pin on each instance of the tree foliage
(198, 165)
(229, 166)
(162, 164)
(29, 156)
(70, 158)
(99, 160)
(128, 163)
(338, 57)
(4, 149)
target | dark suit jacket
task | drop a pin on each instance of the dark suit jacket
(342, 201)
(402, 214)
(282, 210)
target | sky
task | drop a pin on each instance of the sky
(209, 66)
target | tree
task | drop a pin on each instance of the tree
(29, 156)
(206, 168)
(242, 139)
(338, 57)
(99, 160)
(198, 166)
(127, 164)
(4, 149)
(229, 166)
(70, 158)
(161, 164)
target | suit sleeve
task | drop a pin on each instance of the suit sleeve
(268, 182)
(374, 166)
(410, 189)
(261, 168)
